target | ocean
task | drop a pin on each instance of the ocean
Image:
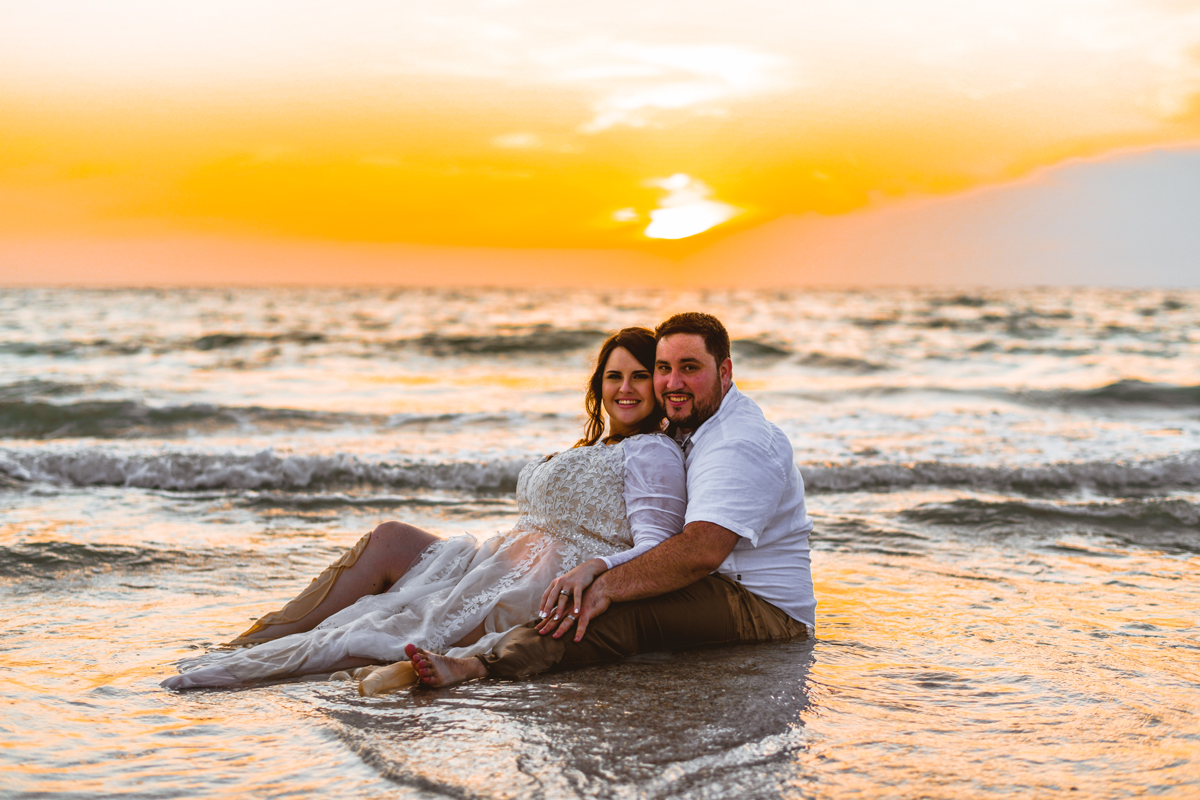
(1005, 487)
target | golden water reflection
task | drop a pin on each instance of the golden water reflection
(1069, 675)
(958, 669)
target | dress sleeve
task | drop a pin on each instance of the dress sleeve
(655, 493)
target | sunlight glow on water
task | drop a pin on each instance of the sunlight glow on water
(1006, 491)
(1007, 674)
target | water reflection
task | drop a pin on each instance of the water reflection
(656, 726)
(999, 674)
(1007, 540)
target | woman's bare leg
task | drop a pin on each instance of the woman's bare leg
(471, 637)
(392, 548)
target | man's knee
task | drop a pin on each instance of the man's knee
(696, 615)
(523, 652)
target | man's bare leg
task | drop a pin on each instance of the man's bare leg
(393, 547)
(438, 671)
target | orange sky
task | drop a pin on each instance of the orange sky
(535, 142)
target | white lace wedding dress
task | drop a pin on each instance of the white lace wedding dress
(607, 501)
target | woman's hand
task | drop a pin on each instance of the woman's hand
(564, 596)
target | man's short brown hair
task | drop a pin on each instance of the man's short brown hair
(706, 326)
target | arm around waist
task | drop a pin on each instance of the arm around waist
(679, 561)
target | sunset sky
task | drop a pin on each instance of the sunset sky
(544, 142)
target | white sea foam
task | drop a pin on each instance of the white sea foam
(1105, 477)
(186, 470)
(265, 469)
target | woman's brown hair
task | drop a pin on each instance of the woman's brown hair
(640, 344)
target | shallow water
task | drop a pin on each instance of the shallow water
(1006, 489)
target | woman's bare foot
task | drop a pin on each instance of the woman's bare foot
(437, 671)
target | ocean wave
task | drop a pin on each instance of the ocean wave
(537, 339)
(1103, 477)
(1129, 392)
(128, 418)
(1155, 513)
(528, 339)
(965, 300)
(845, 363)
(38, 388)
(761, 349)
(105, 419)
(867, 537)
(1164, 523)
(990, 346)
(64, 348)
(758, 349)
(307, 501)
(72, 347)
(491, 418)
(264, 470)
(219, 341)
(41, 559)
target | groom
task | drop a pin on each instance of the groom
(738, 573)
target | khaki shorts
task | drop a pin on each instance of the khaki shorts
(712, 611)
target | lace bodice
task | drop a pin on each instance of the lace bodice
(578, 497)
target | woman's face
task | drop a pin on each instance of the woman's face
(627, 392)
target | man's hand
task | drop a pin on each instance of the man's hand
(679, 561)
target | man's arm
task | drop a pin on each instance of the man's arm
(679, 561)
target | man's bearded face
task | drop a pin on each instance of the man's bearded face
(688, 381)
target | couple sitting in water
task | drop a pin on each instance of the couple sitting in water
(630, 542)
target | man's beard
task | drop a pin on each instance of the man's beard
(702, 409)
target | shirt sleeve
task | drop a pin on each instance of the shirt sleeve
(737, 484)
(655, 493)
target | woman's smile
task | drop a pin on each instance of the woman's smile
(627, 392)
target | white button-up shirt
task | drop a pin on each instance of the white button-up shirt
(741, 475)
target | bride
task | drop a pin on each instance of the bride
(582, 511)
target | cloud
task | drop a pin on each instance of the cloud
(637, 80)
(638, 62)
